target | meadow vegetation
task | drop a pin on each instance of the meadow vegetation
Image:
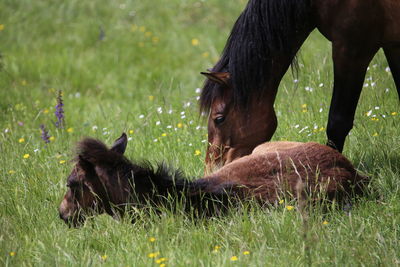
(133, 66)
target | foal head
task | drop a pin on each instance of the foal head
(96, 180)
(234, 130)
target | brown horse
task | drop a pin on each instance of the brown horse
(241, 88)
(103, 180)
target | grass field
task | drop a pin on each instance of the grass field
(134, 66)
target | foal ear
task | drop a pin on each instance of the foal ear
(119, 145)
(218, 77)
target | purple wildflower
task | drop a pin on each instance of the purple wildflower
(59, 111)
(45, 134)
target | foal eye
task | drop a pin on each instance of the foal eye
(219, 120)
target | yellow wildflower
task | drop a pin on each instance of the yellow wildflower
(12, 253)
(11, 171)
(21, 140)
(142, 28)
(195, 42)
(205, 54)
(104, 257)
(304, 110)
(164, 134)
(52, 138)
(304, 106)
(321, 129)
(155, 39)
(1, 27)
(197, 152)
(234, 258)
(246, 252)
(70, 130)
(289, 207)
(161, 260)
(151, 97)
(162, 265)
(152, 239)
(23, 82)
(62, 161)
(26, 156)
(153, 255)
(281, 201)
(45, 111)
(375, 134)
(131, 131)
(179, 125)
(393, 113)
(325, 222)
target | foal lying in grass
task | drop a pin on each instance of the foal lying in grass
(103, 180)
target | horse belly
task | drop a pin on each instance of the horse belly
(392, 21)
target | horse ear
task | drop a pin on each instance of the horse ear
(119, 145)
(218, 77)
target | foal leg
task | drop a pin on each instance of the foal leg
(350, 66)
(393, 57)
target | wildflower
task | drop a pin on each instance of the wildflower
(281, 201)
(1, 27)
(52, 138)
(131, 131)
(26, 156)
(289, 208)
(234, 258)
(59, 111)
(197, 152)
(158, 122)
(304, 106)
(161, 260)
(325, 222)
(195, 42)
(152, 239)
(11, 171)
(70, 130)
(246, 252)
(153, 255)
(142, 28)
(104, 257)
(205, 54)
(368, 113)
(163, 134)
(62, 161)
(44, 134)
(141, 116)
(23, 82)
(58, 156)
(45, 111)
(179, 125)
(21, 140)
(375, 134)
(12, 253)
(155, 39)
(393, 113)
(163, 265)
(151, 97)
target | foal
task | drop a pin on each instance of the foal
(103, 180)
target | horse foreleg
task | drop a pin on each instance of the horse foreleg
(350, 65)
(393, 57)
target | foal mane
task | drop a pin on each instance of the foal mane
(263, 28)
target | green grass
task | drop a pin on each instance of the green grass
(48, 46)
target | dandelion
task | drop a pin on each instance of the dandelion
(62, 161)
(104, 257)
(163, 265)
(281, 201)
(152, 239)
(325, 222)
(1, 27)
(151, 97)
(153, 255)
(197, 152)
(179, 125)
(304, 106)
(70, 130)
(26, 156)
(44, 134)
(163, 134)
(131, 131)
(393, 113)
(59, 111)
(289, 208)
(375, 134)
(12, 253)
(45, 111)
(21, 140)
(161, 260)
(11, 171)
(52, 138)
(246, 252)
(234, 258)
(195, 42)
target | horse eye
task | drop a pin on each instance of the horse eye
(219, 120)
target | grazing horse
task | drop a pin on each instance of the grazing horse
(103, 180)
(240, 91)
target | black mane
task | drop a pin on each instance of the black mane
(264, 28)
